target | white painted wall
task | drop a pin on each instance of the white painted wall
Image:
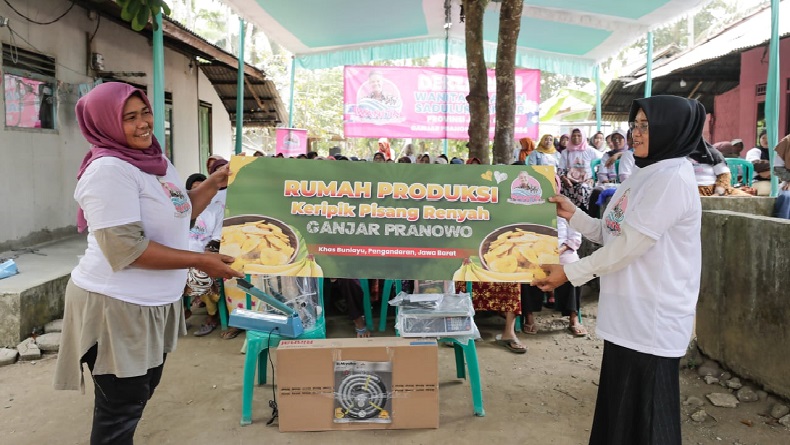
(38, 172)
(222, 140)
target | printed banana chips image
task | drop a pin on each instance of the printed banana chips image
(512, 253)
(265, 245)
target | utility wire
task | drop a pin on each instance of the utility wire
(73, 2)
(14, 47)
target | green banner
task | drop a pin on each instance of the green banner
(343, 219)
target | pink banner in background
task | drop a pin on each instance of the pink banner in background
(389, 101)
(291, 141)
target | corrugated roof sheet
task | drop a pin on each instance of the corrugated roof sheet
(262, 103)
(750, 32)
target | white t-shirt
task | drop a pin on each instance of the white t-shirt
(113, 192)
(208, 226)
(706, 174)
(627, 165)
(754, 154)
(539, 158)
(607, 173)
(577, 163)
(649, 305)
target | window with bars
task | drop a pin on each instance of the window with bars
(29, 82)
(760, 90)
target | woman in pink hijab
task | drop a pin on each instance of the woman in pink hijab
(123, 310)
(574, 169)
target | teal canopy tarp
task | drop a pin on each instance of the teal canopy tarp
(560, 36)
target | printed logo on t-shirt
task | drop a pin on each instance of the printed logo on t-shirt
(698, 168)
(578, 170)
(180, 202)
(525, 190)
(615, 217)
(199, 232)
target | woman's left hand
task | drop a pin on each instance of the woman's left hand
(556, 277)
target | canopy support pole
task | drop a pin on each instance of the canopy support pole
(291, 94)
(649, 66)
(240, 90)
(597, 77)
(159, 82)
(447, 24)
(772, 94)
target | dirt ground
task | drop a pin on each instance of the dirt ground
(544, 397)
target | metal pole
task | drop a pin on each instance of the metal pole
(448, 23)
(159, 82)
(240, 89)
(772, 94)
(597, 76)
(446, 101)
(649, 67)
(291, 104)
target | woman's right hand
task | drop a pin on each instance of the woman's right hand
(217, 265)
(612, 159)
(565, 208)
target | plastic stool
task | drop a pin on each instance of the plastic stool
(258, 344)
(468, 351)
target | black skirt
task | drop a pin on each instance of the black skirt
(638, 399)
(566, 298)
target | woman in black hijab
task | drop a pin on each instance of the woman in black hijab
(649, 265)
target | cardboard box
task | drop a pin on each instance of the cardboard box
(357, 384)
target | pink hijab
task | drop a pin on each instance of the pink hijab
(100, 116)
(581, 147)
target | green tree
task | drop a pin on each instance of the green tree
(509, 28)
(138, 12)
(479, 117)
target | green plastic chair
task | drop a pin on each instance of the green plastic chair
(743, 167)
(465, 359)
(258, 344)
(386, 290)
(594, 167)
(466, 354)
(222, 306)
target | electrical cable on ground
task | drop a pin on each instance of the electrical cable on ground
(273, 402)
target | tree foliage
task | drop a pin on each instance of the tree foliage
(137, 12)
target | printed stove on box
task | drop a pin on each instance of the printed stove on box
(354, 384)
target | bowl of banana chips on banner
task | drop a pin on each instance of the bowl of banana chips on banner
(265, 245)
(513, 253)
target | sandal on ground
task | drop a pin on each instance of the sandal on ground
(205, 329)
(578, 330)
(531, 329)
(230, 334)
(512, 345)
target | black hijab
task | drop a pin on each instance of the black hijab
(707, 154)
(675, 127)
